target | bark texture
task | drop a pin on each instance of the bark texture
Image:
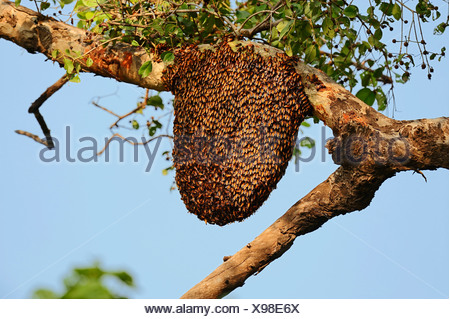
(369, 146)
(38, 33)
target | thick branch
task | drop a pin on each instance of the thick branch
(351, 187)
(38, 33)
(370, 148)
(344, 191)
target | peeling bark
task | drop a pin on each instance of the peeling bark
(344, 191)
(351, 187)
(369, 146)
(38, 33)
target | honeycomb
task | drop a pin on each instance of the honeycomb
(237, 115)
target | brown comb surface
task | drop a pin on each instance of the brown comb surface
(237, 116)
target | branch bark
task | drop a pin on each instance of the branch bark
(38, 33)
(369, 146)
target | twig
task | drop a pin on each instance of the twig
(421, 173)
(47, 93)
(105, 109)
(265, 25)
(141, 106)
(34, 108)
(254, 14)
(44, 129)
(126, 139)
(33, 137)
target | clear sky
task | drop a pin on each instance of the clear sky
(55, 216)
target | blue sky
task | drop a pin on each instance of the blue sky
(55, 216)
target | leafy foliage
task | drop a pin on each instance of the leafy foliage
(88, 283)
(365, 46)
(348, 42)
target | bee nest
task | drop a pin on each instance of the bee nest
(237, 116)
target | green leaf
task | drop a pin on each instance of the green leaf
(157, 124)
(378, 34)
(145, 69)
(366, 95)
(167, 56)
(92, 3)
(55, 54)
(405, 76)
(124, 277)
(351, 11)
(44, 294)
(75, 79)
(17, 2)
(234, 45)
(166, 170)
(44, 5)
(397, 11)
(91, 272)
(374, 23)
(89, 15)
(288, 50)
(306, 124)
(310, 53)
(89, 290)
(156, 101)
(307, 142)
(286, 28)
(386, 8)
(372, 40)
(381, 100)
(365, 79)
(241, 16)
(378, 72)
(152, 130)
(440, 29)
(328, 27)
(274, 33)
(89, 62)
(68, 65)
(282, 25)
(134, 43)
(135, 124)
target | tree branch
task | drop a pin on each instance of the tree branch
(370, 148)
(322, 203)
(351, 187)
(38, 33)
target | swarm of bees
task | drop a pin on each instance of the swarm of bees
(237, 116)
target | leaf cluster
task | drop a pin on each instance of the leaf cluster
(88, 283)
(351, 43)
(369, 46)
(365, 46)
